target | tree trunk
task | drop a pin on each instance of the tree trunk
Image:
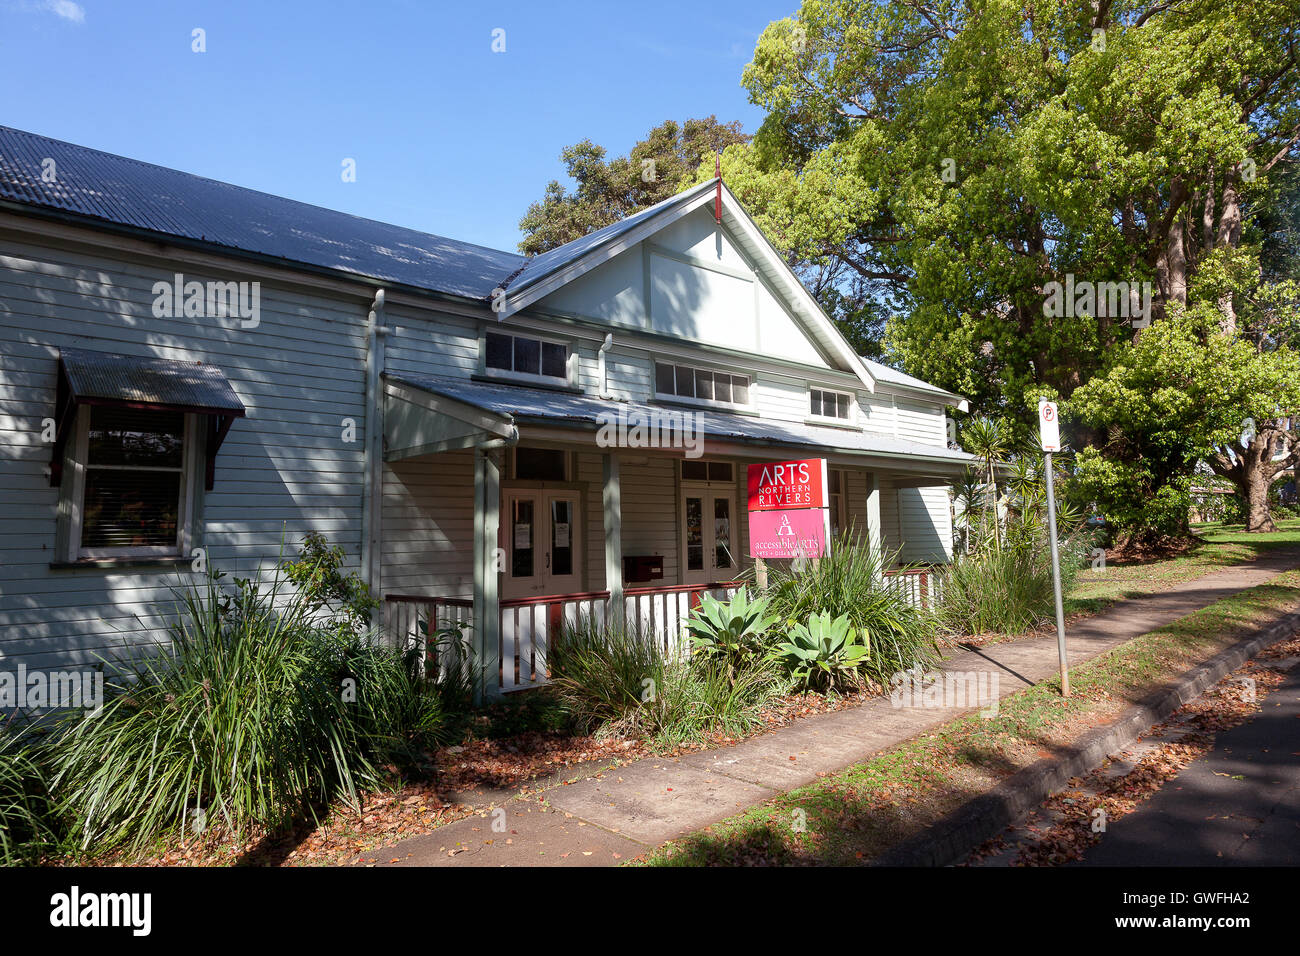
(1256, 477)
(1258, 515)
(1176, 262)
(1229, 235)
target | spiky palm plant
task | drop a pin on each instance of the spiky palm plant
(990, 442)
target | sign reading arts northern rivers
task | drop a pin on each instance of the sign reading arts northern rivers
(787, 484)
(788, 514)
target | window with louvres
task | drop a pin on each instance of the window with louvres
(133, 496)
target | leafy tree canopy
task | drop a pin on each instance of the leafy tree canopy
(957, 157)
(609, 190)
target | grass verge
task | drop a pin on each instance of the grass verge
(857, 813)
(1222, 546)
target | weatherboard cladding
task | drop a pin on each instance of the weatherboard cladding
(130, 193)
(151, 381)
(282, 471)
(285, 469)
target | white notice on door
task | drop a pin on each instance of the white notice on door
(561, 534)
(523, 536)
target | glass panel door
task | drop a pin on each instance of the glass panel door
(693, 534)
(561, 561)
(724, 561)
(520, 534)
(708, 538)
(543, 552)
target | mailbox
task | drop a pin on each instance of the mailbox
(643, 567)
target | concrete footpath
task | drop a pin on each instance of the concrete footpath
(624, 812)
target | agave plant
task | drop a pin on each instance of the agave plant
(730, 632)
(824, 653)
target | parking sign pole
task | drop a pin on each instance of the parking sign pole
(1056, 577)
(1049, 439)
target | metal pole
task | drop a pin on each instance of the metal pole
(1056, 578)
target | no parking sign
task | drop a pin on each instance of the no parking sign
(1049, 427)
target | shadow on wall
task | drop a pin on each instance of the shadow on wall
(921, 540)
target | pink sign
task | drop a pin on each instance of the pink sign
(796, 533)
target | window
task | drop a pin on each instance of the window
(136, 487)
(827, 404)
(540, 464)
(700, 470)
(701, 384)
(524, 355)
(135, 437)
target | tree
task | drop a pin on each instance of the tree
(1258, 288)
(969, 162)
(1178, 396)
(655, 169)
(988, 442)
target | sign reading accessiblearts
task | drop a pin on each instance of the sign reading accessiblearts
(788, 513)
(1049, 427)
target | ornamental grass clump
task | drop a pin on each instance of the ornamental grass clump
(1006, 590)
(620, 682)
(257, 712)
(27, 821)
(601, 673)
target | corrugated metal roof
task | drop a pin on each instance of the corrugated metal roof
(105, 376)
(546, 263)
(127, 192)
(886, 373)
(552, 407)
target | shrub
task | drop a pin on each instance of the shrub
(1008, 590)
(256, 713)
(27, 823)
(848, 582)
(620, 683)
(824, 654)
(730, 632)
(317, 573)
(600, 673)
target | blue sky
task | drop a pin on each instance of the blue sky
(448, 136)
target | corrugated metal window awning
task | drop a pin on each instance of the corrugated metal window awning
(133, 381)
(420, 421)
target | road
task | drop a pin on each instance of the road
(1238, 805)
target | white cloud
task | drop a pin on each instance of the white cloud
(67, 10)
